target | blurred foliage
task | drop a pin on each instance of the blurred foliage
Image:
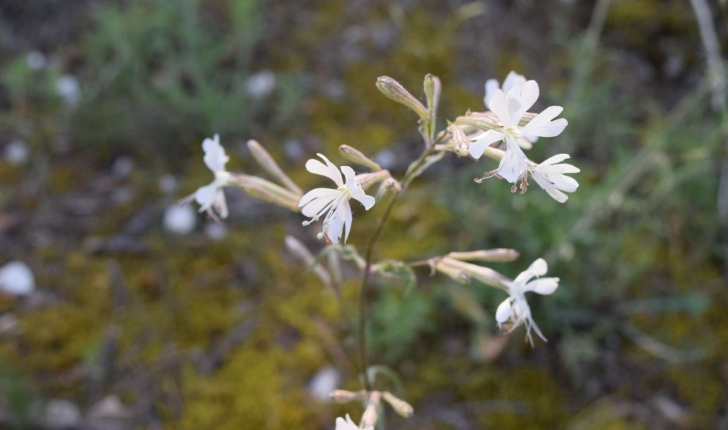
(638, 315)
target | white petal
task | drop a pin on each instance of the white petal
(215, 157)
(545, 286)
(529, 95)
(524, 143)
(318, 193)
(543, 126)
(347, 220)
(486, 139)
(16, 278)
(557, 195)
(336, 225)
(315, 206)
(549, 186)
(205, 195)
(220, 204)
(555, 160)
(504, 311)
(565, 168)
(499, 106)
(490, 86)
(511, 80)
(565, 183)
(514, 162)
(359, 195)
(349, 173)
(539, 267)
(328, 170)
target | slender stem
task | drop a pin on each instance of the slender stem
(363, 290)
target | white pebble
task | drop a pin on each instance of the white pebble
(16, 279)
(69, 90)
(324, 382)
(36, 60)
(16, 152)
(216, 230)
(180, 219)
(261, 84)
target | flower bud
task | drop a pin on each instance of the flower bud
(460, 142)
(500, 255)
(457, 275)
(395, 91)
(480, 121)
(366, 180)
(266, 191)
(432, 92)
(263, 158)
(482, 274)
(355, 156)
(371, 415)
(343, 396)
(403, 408)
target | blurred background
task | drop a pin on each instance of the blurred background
(119, 310)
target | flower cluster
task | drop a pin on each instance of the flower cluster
(507, 122)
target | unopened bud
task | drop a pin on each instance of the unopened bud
(371, 415)
(263, 158)
(266, 191)
(483, 274)
(460, 142)
(483, 122)
(432, 92)
(366, 180)
(343, 396)
(457, 275)
(500, 255)
(301, 252)
(395, 91)
(400, 406)
(355, 156)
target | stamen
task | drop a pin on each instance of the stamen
(487, 175)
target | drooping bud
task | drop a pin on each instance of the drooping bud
(371, 415)
(355, 156)
(301, 252)
(366, 180)
(460, 142)
(263, 158)
(482, 274)
(500, 255)
(343, 396)
(403, 408)
(395, 91)
(266, 191)
(433, 88)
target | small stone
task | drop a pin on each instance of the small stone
(122, 166)
(168, 184)
(324, 382)
(108, 408)
(16, 279)
(69, 89)
(216, 230)
(261, 84)
(36, 60)
(16, 152)
(62, 415)
(180, 219)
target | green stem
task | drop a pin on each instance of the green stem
(363, 290)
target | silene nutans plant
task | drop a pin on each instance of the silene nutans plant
(503, 132)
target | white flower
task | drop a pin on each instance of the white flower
(212, 197)
(513, 79)
(348, 424)
(515, 307)
(333, 202)
(510, 108)
(550, 176)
